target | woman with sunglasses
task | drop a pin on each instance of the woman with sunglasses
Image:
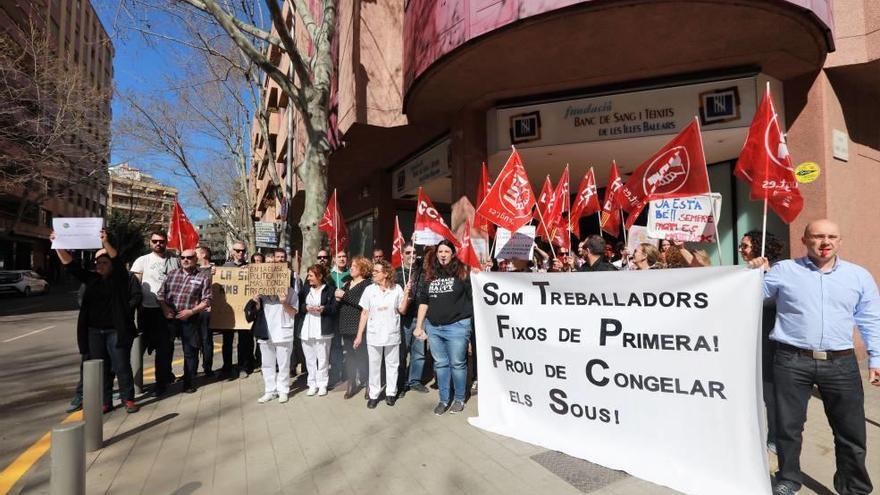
(444, 319)
(315, 326)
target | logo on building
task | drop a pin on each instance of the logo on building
(719, 105)
(525, 127)
(668, 172)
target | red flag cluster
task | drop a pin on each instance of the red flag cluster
(428, 218)
(181, 233)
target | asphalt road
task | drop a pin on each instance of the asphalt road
(39, 366)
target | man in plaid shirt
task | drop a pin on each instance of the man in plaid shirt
(186, 292)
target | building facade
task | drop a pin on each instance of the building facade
(79, 41)
(427, 91)
(140, 197)
(214, 235)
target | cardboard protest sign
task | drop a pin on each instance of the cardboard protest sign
(653, 372)
(518, 245)
(228, 299)
(268, 279)
(688, 219)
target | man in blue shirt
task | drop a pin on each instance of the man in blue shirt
(819, 298)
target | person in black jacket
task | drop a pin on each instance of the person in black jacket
(594, 253)
(445, 312)
(348, 298)
(105, 327)
(315, 326)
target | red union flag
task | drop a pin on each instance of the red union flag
(429, 221)
(333, 224)
(585, 203)
(397, 246)
(466, 253)
(510, 200)
(610, 218)
(181, 233)
(543, 200)
(558, 209)
(481, 222)
(765, 164)
(676, 171)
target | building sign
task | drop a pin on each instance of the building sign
(266, 233)
(719, 105)
(433, 163)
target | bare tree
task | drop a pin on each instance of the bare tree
(307, 86)
(52, 119)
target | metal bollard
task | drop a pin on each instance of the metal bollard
(93, 403)
(137, 364)
(68, 471)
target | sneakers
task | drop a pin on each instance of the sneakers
(312, 391)
(267, 397)
(131, 407)
(372, 403)
(106, 408)
(418, 387)
(75, 405)
(322, 391)
(456, 407)
(784, 488)
(282, 398)
(441, 408)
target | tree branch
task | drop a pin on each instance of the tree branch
(250, 29)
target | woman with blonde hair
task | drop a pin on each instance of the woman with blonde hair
(349, 296)
(646, 257)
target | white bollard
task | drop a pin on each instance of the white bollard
(68, 471)
(93, 403)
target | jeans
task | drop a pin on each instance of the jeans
(191, 341)
(159, 335)
(207, 341)
(102, 345)
(449, 348)
(245, 350)
(415, 348)
(840, 385)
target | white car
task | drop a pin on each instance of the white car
(25, 282)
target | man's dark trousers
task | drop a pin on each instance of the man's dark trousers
(245, 350)
(160, 336)
(191, 340)
(840, 386)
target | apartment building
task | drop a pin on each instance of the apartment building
(140, 197)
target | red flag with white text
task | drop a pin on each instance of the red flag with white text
(609, 220)
(559, 209)
(542, 207)
(466, 253)
(480, 221)
(510, 200)
(333, 224)
(677, 170)
(181, 233)
(585, 203)
(429, 221)
(766, 166)
(397, 246)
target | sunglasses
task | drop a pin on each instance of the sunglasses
(239, 250)
(323, 257)
(157, 241)
(188, 257)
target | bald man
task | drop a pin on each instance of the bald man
(819, 298)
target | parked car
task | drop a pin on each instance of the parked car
(25, 282)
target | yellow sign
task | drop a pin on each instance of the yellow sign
(806, 172)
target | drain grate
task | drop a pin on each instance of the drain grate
(583, 475)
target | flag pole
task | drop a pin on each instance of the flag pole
(623, 226)
(541, 217)
(335, 224)
(711, 198)
(764, 225)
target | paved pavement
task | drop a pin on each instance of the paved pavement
(220, 440)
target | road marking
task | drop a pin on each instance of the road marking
(26, 460)
(29, 333)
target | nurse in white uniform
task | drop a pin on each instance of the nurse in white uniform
(380, 319)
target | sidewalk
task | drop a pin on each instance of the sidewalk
(220, 440)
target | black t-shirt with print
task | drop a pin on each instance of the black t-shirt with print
(448, 298)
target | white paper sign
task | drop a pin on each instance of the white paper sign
(637, 235)
(520, 245)
(653, 372)
(77, 233)
(427, 237)
(689, 219)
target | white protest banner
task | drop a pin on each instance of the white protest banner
(77, 233)
(687, 219)
(518, 246)
(652, 372)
